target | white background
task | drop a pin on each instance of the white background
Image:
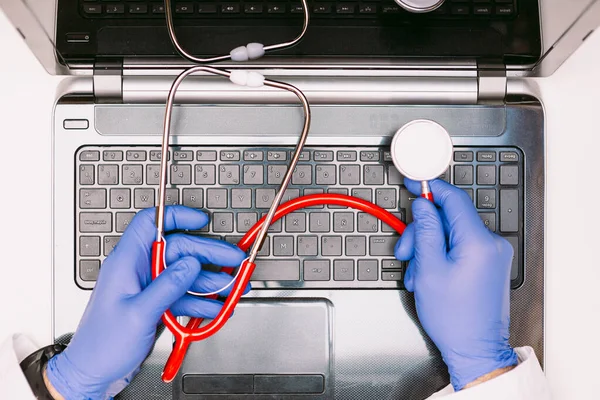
(572, 100)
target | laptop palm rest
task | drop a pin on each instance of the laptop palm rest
(270, 348)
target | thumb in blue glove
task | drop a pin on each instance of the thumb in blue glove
(118, 327)
(459, 272)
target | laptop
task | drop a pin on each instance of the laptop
(328, 316)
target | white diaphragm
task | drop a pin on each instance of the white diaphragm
(422, 150)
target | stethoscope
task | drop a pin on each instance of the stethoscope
(412, 167)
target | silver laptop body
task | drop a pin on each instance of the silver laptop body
(343, 329)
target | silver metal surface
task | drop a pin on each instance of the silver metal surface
(424, 89)
(379, 348)
(243, 124)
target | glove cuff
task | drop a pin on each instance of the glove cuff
(69, 383)
(468, 370)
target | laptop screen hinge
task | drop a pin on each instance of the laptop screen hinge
(491, 83)
(108, 81)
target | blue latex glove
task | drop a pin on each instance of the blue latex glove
(459, 272)
(119, 325)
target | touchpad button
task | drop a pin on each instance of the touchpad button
(269, 347)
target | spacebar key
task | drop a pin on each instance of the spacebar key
(276, 270)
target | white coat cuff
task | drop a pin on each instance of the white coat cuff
(13, 384)
(526, 381)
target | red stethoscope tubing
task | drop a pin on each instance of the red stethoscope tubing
(191, 332)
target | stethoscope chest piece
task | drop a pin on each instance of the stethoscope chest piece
(421, 150)
(420, 6)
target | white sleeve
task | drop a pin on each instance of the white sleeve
(526, 381)
(13, 384)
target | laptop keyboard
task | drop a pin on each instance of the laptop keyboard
(454, 9)
(321, 247)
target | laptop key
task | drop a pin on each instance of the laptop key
(509, 210)
(343, 270)
(365, 194)
(253, 174)
(486, 174)
(143, 198)
(382, 245)
(241, 198)
(486, 198)
(110, 242)
(275, 174)
(135, 155)
(120, 198)
(89, 270)
(193, 198)
(509, 175)
(343, 222)
(112, 155)
(463, 174)
(394, 176)
(273, 8)
(391, 275)
(318, 222)
(373, 174)
(115, 9)
(295, 222)
(349, 175)
(386, 198)
(264, 198)
(391, 264)
(153, 174)
(367, 270)
(181, 174)
(171, 197)
(138, 9)
(89, 246)
(326, 174)
(216, 198)
(86, 175)
(92, 198)
(331, 246)
(367, 223)
(229, 175)
(245, 221)
(276, 270)
(205, 174)
(489, 220)
(123, 221)
(89, 155)
(108, 174)
(95, 222)
(302, 175)
(183, 155)
(316, 270)
(222, 222)
(356, 246)
(283, 246)
(206, 155)
(132, 174)
(204, 8)
(308, 245)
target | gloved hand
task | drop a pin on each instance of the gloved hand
(459, 272)
(118, 327)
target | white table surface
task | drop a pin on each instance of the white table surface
(572, 101)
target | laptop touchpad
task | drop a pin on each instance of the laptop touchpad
(270, 348)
